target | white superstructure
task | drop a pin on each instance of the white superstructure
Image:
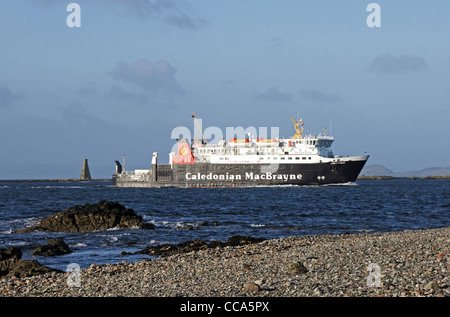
(298, 149)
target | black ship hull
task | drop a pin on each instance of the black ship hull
(244, 175)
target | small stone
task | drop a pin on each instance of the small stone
(259, 282)
(432, 285)
(246, 267)
(297, 268)
(317, 291)
(252, 287)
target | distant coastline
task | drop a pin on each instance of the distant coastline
(380, 177)
(54, 180)
(381, 172)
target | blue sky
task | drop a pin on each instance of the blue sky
(137, 69)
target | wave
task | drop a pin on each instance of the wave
(342, 184)
(58, 187)
(160, 242)
(281, 185)
(68, 186)
(113, 229)
(15, 224)
(180, 224)
(257, 225)
(18, 243)
(306, 186)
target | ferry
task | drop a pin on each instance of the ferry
(247, 162)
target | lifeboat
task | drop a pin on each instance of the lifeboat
(262, 140)
(234, 140)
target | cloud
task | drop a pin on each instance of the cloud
(275, 41)
(184, 20)
(151, 77)
(385, 64)
(178, 13)
(156, 83)
(317, 96)
(7, 97)
(87, 91)
(75, 112)
(233, 81)
(274, 95)
(120, 94)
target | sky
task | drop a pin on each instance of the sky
(127, 78)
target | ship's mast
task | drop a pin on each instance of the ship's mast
(298, 132)
(198, 128)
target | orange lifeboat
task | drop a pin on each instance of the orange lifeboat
(234, 140)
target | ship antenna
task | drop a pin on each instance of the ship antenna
(331, 131)
(199, 128)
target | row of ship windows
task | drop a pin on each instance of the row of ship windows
(275, 158)
(223, 151)
(289, 158)
(309, 142)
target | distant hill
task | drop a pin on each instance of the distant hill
(380, 170)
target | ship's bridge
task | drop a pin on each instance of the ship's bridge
(324, 141)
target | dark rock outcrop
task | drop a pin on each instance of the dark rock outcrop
(242, 240)
(195, 245)
(54, 247)
(11, 264)
(90, 217)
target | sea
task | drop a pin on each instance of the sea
(182, 214)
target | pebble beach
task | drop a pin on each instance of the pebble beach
(394, 264)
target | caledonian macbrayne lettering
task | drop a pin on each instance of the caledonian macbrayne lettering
(247, 176)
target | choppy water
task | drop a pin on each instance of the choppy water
(269, 212)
